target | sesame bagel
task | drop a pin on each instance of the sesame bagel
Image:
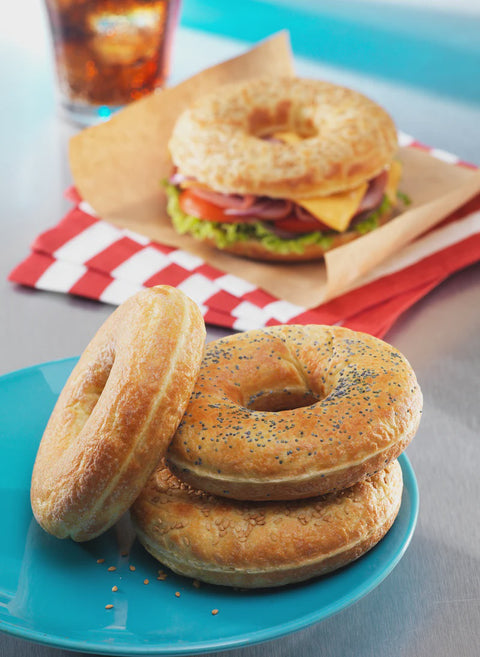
(346, 138)
(253, 544)
(117, 413)
(290, 412)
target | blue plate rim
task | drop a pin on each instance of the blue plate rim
(240, 640)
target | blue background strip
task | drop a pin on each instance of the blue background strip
(438, 51)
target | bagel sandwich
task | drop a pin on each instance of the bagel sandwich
(283, 168)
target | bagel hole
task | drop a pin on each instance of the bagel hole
(281, 400)
(285, 116)
(274, 134)
(95, 381)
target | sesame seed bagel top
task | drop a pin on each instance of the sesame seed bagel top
(346, 138)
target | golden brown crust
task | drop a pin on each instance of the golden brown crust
(347, 138)
(117, 413)
(255, 544)
(352, 404)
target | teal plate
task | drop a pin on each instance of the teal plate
(55, 592)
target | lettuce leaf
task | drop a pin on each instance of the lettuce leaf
(371, 221)
(225, 234)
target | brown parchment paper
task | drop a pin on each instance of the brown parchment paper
(117, 167)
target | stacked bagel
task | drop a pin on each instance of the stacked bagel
(266, 459)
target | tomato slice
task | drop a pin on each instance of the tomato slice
(294, 225)
(202, 209)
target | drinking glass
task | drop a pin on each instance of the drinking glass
(110, 52)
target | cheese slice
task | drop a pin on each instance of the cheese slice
(288, 137)
(394, 175)
(336, 210)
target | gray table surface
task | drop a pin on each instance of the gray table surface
(430, 604)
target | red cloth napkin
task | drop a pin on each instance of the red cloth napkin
(86, 256)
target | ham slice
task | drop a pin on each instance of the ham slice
(237, 205)
(267, 208)
(227, 201)
(374, 194)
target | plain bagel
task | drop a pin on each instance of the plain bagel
(252, 544)
(347, 138)
(117, 413)
(294, 411)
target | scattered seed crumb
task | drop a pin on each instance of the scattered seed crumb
(132, 568)
(100, 560)
(196, 583)
(162, 576)
(214, 612)
(114, 589)
(108, 606)
(124, 554)
(177, 594)
(112, 568)
(146, 581)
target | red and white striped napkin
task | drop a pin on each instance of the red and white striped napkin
(83, 255)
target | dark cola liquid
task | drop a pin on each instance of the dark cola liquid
(110, 52)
